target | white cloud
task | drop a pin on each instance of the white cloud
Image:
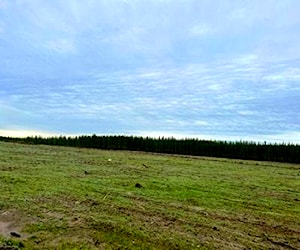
(240, 13)
(200, 30)
(246, 112)
(61, 46)
(215, 86)
(201, 123)
(128, 39)
(289, 74)
(245, 59)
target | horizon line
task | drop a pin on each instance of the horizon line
(267, 139)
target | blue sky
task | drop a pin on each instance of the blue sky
(221, 69)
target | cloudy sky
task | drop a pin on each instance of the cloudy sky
(212, 69)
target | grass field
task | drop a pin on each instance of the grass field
(71, 198)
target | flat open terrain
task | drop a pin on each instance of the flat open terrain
(71, 198)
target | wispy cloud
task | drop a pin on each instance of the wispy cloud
(200, 30)
(194, 99)
(184, 67)
(61, 46)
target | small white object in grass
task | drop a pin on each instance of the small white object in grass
(109, 159)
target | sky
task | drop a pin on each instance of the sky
(210, 69)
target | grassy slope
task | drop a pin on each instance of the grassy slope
(64, 198)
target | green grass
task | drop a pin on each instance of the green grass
(71, 198)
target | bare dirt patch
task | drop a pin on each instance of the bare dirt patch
(6, 228)
(9, 223)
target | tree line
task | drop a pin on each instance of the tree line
(224, 149)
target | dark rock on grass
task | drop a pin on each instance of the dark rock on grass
(14, 234)
(138, 185)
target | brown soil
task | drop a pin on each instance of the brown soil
(9, 223)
